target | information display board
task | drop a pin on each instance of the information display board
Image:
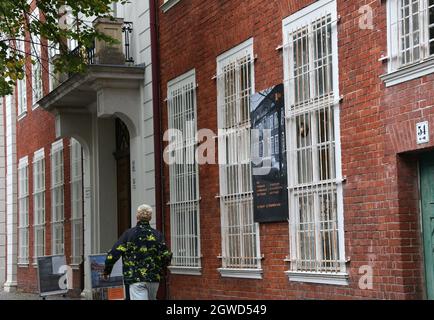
(269, 165)
(52, 275)
(106, 289)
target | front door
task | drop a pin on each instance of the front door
(427, 194)
(123, 176)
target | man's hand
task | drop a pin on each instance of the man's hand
(105, 276)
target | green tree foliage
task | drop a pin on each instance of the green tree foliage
(51, 28)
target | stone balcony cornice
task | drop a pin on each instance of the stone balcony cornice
(80, 90)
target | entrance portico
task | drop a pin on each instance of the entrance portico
(86, 107)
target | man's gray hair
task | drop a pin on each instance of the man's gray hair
(144, 213)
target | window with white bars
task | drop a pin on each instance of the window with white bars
(39, 204)
(411, 32)
(235, 84)
(23, 208)
(76, 201)
(313, 143)
(37, 66)
(57, 198)
(184, 173)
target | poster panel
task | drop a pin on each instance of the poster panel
(106, 289)
(269, 165)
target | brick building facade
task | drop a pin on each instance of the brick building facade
(359, 92)
(383, 93)
(78, 151)
(39, 205)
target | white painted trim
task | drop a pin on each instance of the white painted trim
(168, 4)
(23, 265)
(189, 271)
(337, 279)
(408, 73)
(75, 266)
(242, 49)
(39, 155)
(324, 5)
(57, 146)
(255, 274)
(22, 116)
(184, 77)
(23, 162)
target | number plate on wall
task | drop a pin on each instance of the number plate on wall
(422, 132)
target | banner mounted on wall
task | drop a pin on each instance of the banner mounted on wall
(268, 145)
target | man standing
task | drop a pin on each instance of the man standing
(144, 257)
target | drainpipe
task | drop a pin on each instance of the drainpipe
(158, 136)
(157, 114)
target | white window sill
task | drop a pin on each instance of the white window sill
(75, 266)
(409, 73)
(255, 274)
(189, 271)
(166, 6)
(23, 265)
(337, 279)
(35, 106)
(22, 116)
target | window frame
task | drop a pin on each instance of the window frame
(21, 85)
(76, 156)
(23, 212)
(57, 198)
(237, 128)
(37, 68)
(168, 4)
(185, 84)
(424, 65)
(301, 19)
(39, 209)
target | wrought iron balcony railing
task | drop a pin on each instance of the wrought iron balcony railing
(89, 53)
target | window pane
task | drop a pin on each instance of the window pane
(301, 66)
(184, 193)
(431, 26)
(239, 232)
(311, 147)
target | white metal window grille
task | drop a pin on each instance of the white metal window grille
(411, 31)
(23, 207)
(39, 204)
(77, 201)
(57, 198)
(235, 84)
(184, 179)
(313, 147)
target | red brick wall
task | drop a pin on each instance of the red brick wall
(35, 131)
(377, 126)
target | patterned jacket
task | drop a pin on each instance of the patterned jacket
(144, 254)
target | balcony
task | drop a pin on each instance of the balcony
(112, 83)
(102, 53)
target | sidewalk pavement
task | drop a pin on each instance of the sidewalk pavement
(29, 296)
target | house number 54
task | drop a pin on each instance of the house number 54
(422, 132)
